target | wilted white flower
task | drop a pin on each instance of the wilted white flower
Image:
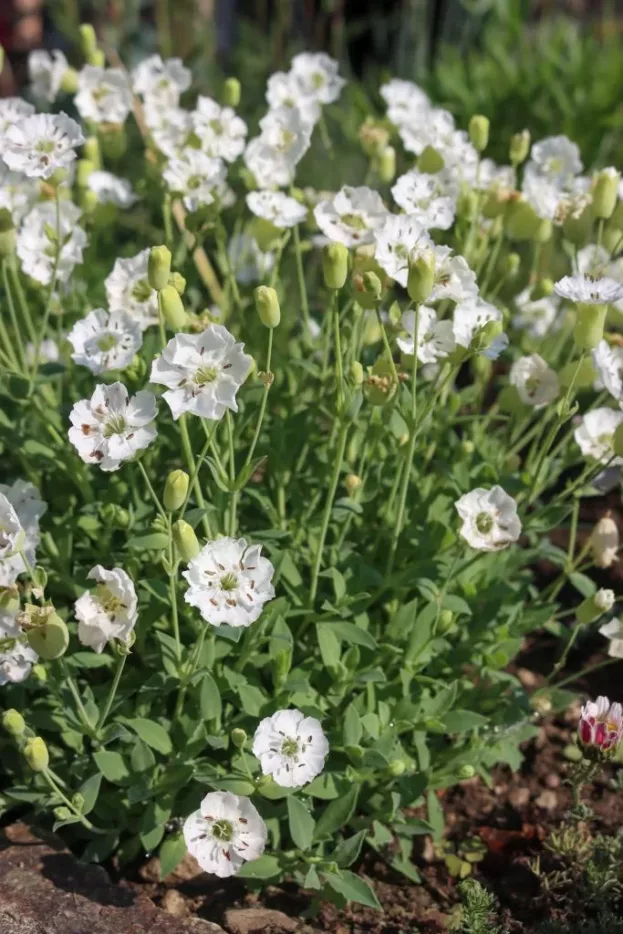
(490, 520)
(28, 507)
(470, 327)
(225, 832)
(109, 612)
(46, 71)
(608, 363)
(613, 631)
(127, 289)
(37, 241)
(595, 434)
(105, 340)
(291, 747)
(9, 627)
(249, 263)
(40, 144)
(278, 208)
(536, 383)
(161, 82)
(16, 663)
(17, 193)
(104, 95)
(556, 157)
(406, 101)
(110, 428)
(429, 199)
(353, 216)
(12, 535)
(13, 110)
(203, 372)
(195, 176)
(110, 189)
(605, 542)
(589, 290)
(318, 76)
(229, 582)
(400, 239)
(435, 339)
(286, 90)
(535, 316)
(221, 132)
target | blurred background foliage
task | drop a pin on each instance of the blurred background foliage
(553, 67)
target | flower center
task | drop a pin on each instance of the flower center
(605, 440)
(45, 146)
(193, 182)
(484, 522)
(223, 830)
(318, 80)
(354, 221)
(205, 375)
(115, 425)
(110, 602)
(286, 141)
(229, 581)
(216, 126)
(141, 290)
(290, 747)
(106, 342)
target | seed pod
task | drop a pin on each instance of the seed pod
(387, 164)
(88, 42)
(421, 276)
(36, 754)
(175, 490)
(159, 267)
(519, 147)
(238, 737)
(334, 265)
(479, 132)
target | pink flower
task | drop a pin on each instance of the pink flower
(601, 725)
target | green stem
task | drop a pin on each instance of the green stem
(111, 694)
(335, 476)
(267, 385)
(78, 702)
(22, 300)
(339, 368)
(190, 463)
(232, 474)
(585, 671)
(301, 280)
(173, 598)
(13, 315)
(152, 492)
(57, 791)
(386, 344)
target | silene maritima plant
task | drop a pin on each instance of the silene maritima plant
(279, 460)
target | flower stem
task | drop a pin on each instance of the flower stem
(232, 475)
(111, 694)
(152, 492)
(13, 315)
(335, 476)
(74, 810)
(267, 385)
(190, 462)
(301, 280)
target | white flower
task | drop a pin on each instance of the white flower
(12, 535)
(17, 193)
(470, 319)
(16, 663)
(110, 189)
(170, 127)
(13, 110)
(105, 340)
(285, 131)
(592, 260)
(557, 157)
(161, 82)
(399, 239)
(46, 71)
(229, 582)
(405, 101)
(353, 216)
(48, 352)
(535, 317)
(608, 362)
(589, 290)
(435, 339)
(429, 199)
(109, 428)
(28, 507)
(9, 627)
(490, 520)
(433, 128)
(40, 144)
(535, 382)
(605, 542)
(104, 95)
(493, 177)
(604, 600)
(203, 372)
(37, 241)
(250, 264)
(224, 833)
(286, 90)
(220, 130)
(454, 279)
(127, 289)
(109, 612)
(195, 176)
(278, 208)
(291, 747)
(595, 434)
(318, 76)
(613, 631)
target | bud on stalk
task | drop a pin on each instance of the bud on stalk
(605, 193)
(36, 754)
(479, 132)
(267, 305)
(175, 490)
(159, 267)
(593, 607)
(185, 540)
(231, 92)
(334, 265)
(172, 309)
(421, 277)
(13, 722)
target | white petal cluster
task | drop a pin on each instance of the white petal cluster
(104, 340)
(280, 209)
(108, 612)
(219, 130)
(110, 189)
(16, 662)
(17, 193)
(111, 427)
(46, 71)
(613, 631)
(41, 144)
(595, 434)
(104, 95)
(161, 83)
(535, 316)
(12, 535)
(435, 339)
(38, 239)
(489, 519)
(608, 364)
(127, 289)
(272, 156)
(202, 372)
(12, 110)
(229, 582)
(406, 101)
(27, 507)
(170, 127)
(291, 747)
(428, 199)
(224, 833)
(470, 319)
(353, 217)
(195, 176)
(317, 76)
(400, 239)
(536, 383)
(589, 290)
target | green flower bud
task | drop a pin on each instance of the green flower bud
(39, 673)
(13, 722)
(445, 622)
(113, 140)
(88, 42)
(356, 373)
(595, 606)
(334, 265)
(77, 800)
(36, 754)
(373, 136)
(466, 771)
(84, 168)
(352, 483)
(159, 267)
(396, 768)
(172, 309)
(430, 161)
(605, 193)
(178, 282)
(175, 490)
(91, 151)
(238, 737)
(589, 326)
(62, 813)
(521, 221)
(421, 277)
(543, 289)
(185, 540)
(231, 92)
(7, 233)
(267, 305)
(519, 147)
(69, 81)
(387, 164)
(46, 632)
(512, 264)
(479, 132)
(373, 285)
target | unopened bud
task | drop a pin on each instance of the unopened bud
(430, 161)
(178, 282)
(605, 542)
(593, 607)
(36, 754)
(78, 801)
(69, 81)
(159, 267)
(479, 132)
(421, 277)
(605, 193)
(373, 285)
(172, 308)
(334, 265)
(519, 147)
(512, 264)
(387, 164)
(356, 373)
(445, 622)
(88, 42)
(352, 483)
(231, 92)
(396, 768)
(185, 540)
(267, 305)
(91, 151)
(8, 237)
(466, 772)
(84, 169)
(175, 490)
(589, 326)
(238, 737)
(13, 722)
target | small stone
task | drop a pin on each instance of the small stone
(174, 903)
(528, 678)
(548, 800)
(258, 921)
(552, 780)
(519, 797)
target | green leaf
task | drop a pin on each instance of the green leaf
(354, 888)
(111, 765)
(352, 727)
(171, 854)
(329, 645)
(151, 838)
(351, 633)
(348, 850)
(151, 733)
(337, 814)
(154, 541)
(238, 786)
(141, 757)
(266, 867)
(460, 721)
(210, 698)
(302, 824)
(89, 791)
